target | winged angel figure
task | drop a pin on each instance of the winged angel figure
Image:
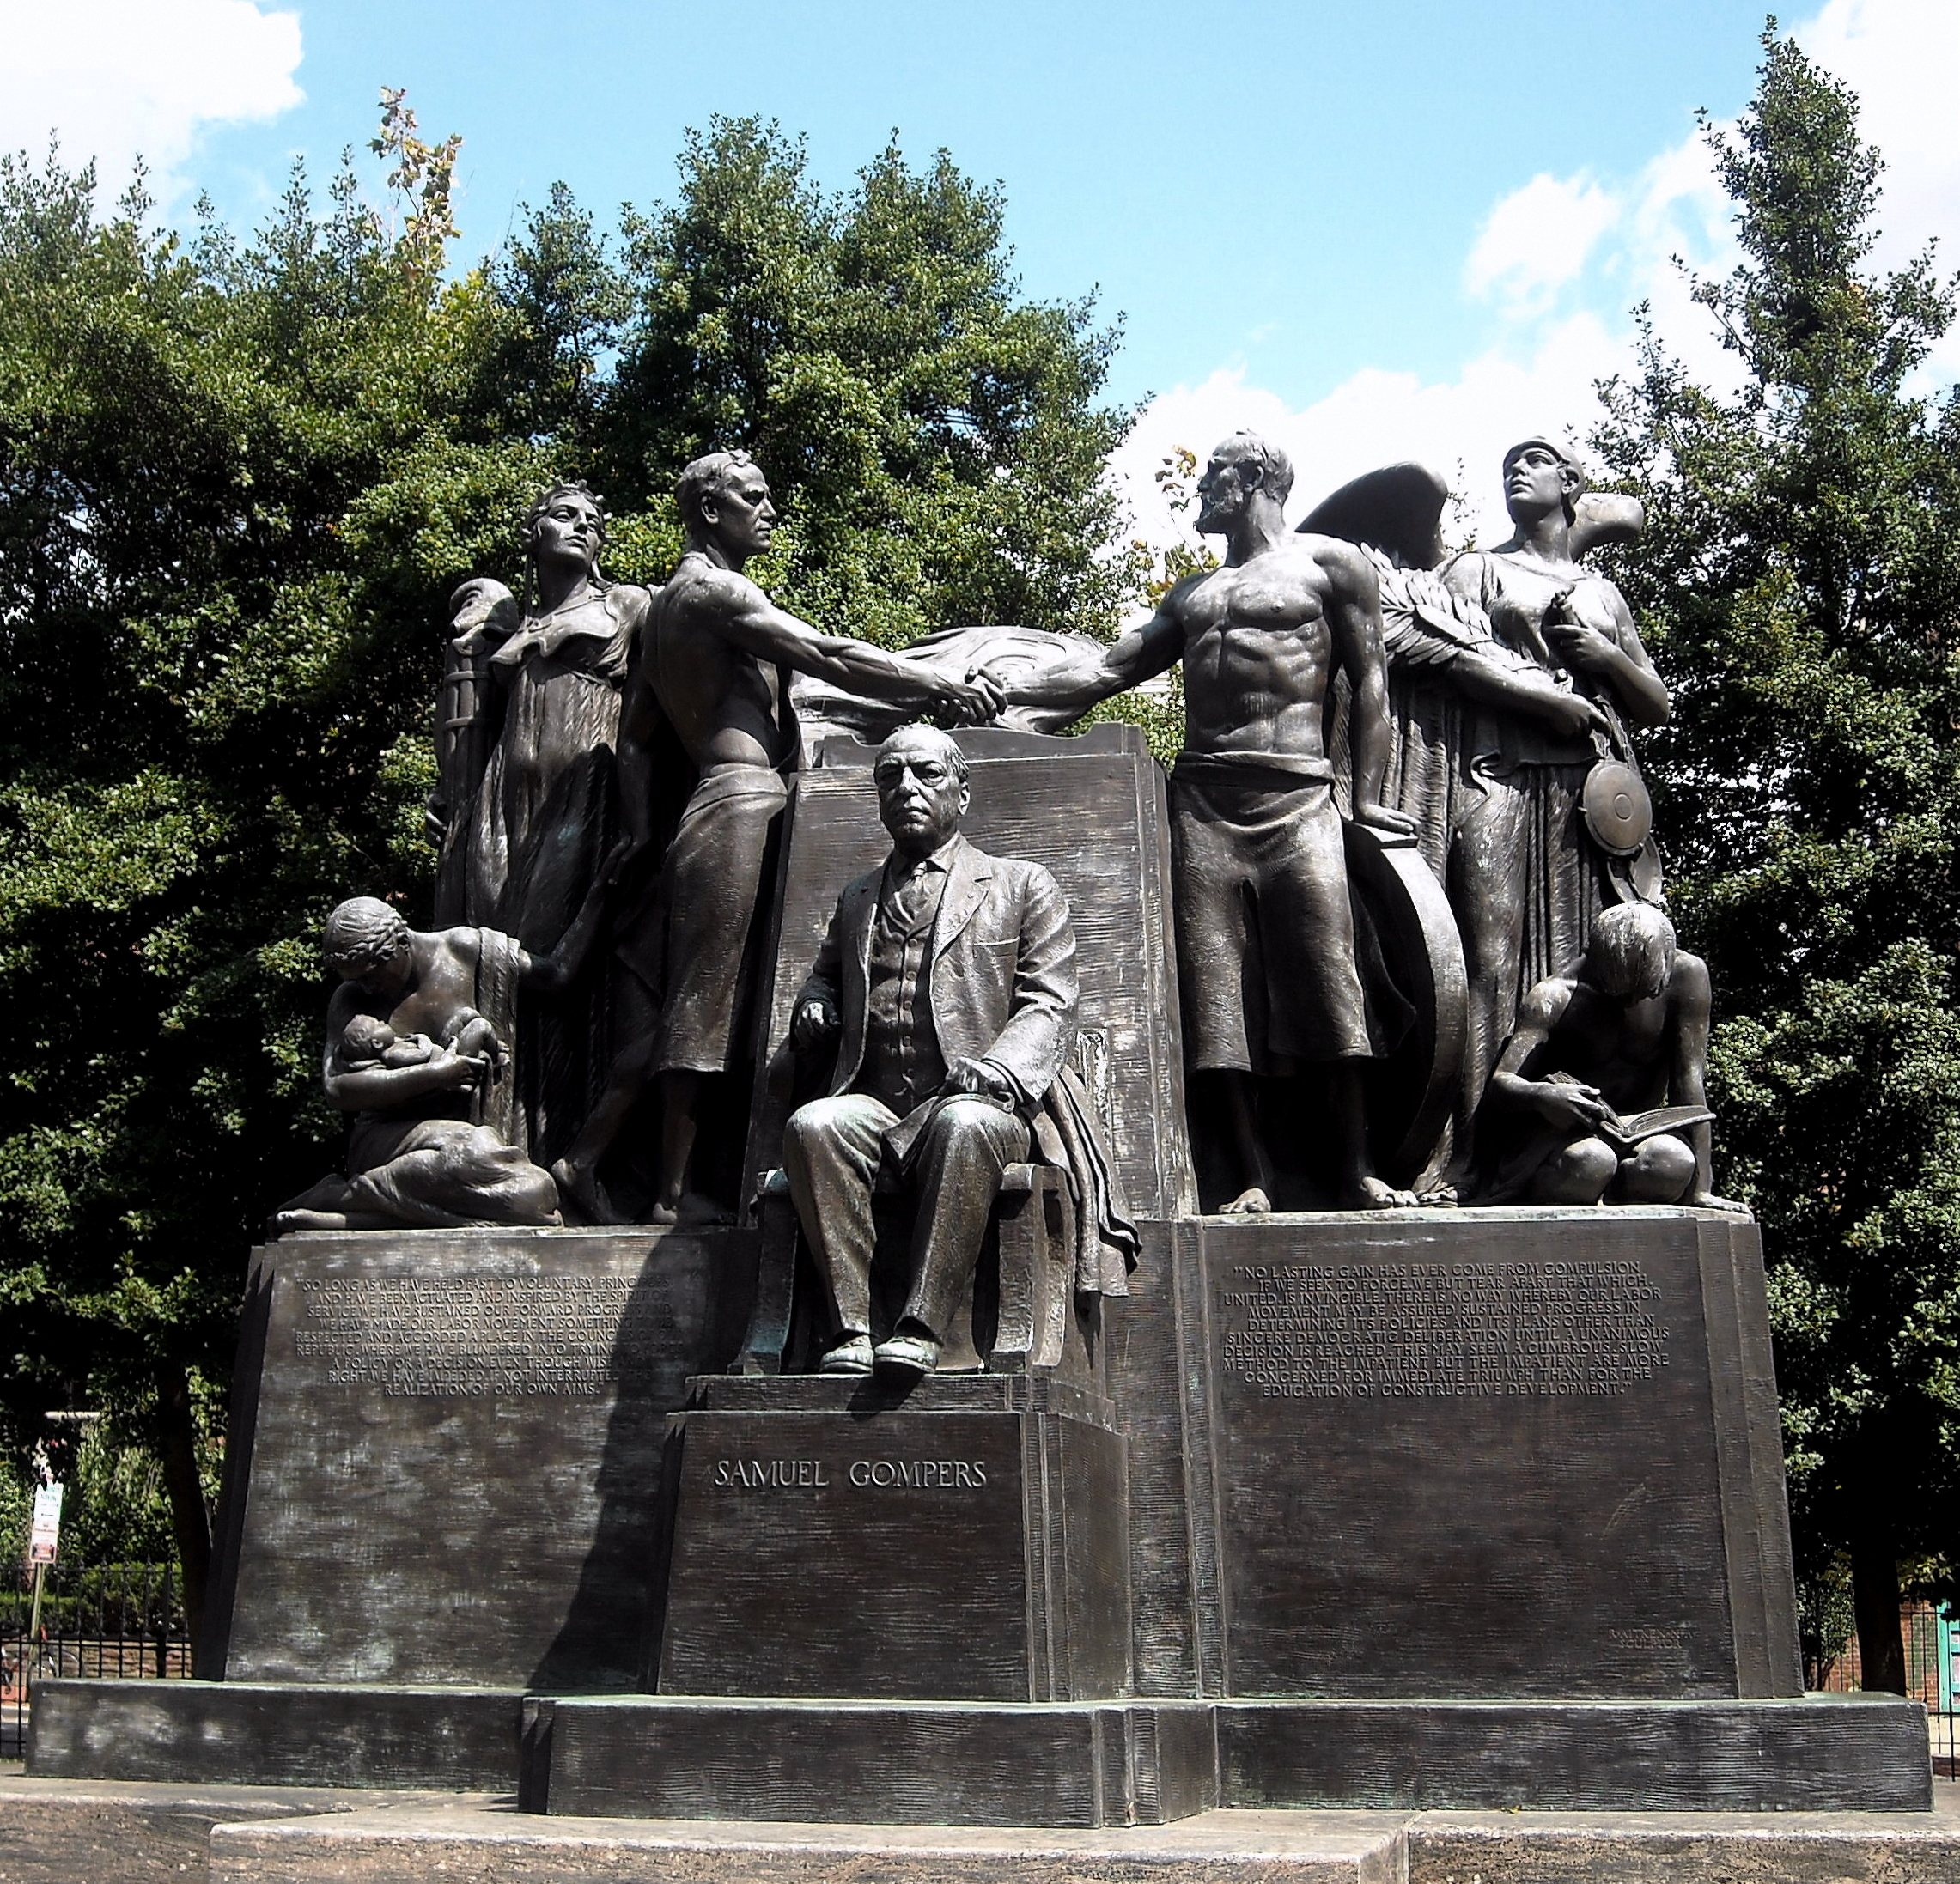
(1513, 676)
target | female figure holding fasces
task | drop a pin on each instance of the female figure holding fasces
(527, 811)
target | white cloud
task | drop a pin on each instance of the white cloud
(1902, 57)
(1461, 427)
(1606, 248)
(116, 79)
(1537, 238)
(1564, 260)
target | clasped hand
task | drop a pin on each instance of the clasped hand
(975, 701)
(977, 1080)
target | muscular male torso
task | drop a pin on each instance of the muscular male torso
(1259, 652)
(1625, 1049)
(723, 700)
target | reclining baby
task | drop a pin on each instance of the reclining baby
(367, 1040)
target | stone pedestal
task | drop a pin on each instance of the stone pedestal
(445, 1452)
(1492, 1453)
(967, 1541)
(1464, 1508)
(1433, 1508)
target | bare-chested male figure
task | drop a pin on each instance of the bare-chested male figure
(716, 659)
(1265, 927)
(1575, 1104)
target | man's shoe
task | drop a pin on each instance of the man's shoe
(909, 1354)
(851, 1355)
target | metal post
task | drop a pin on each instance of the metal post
(33, 1634)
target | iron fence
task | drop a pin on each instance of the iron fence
(109, 1620)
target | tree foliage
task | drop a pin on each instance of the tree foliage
(1802, 569)
(930, 436)
(238, 480)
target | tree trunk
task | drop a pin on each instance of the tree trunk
(1875, 1595)
(188, 1517)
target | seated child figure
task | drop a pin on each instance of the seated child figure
(1601, 1091)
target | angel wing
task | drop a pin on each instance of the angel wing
(1397, 510)
(1601, 517)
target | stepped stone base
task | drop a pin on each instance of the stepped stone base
(277, 1734)
(56, 1832)
(1080, 1764)
(893, 1763)
(1836, 1753)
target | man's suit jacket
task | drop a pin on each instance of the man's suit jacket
(1000, 973)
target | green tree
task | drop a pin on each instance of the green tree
(932, 439)
(235, 484)
(1802, 571)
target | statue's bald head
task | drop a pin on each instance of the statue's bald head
(924, 738)
(1248, 452)
(920, 775)
(1246, 476)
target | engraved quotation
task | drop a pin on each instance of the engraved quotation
(483, 1335)
(1358, 1331)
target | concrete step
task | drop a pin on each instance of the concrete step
(1687, 1847)
(76, 1832)
(475, 1842)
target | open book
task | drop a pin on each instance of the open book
(1623, 1135)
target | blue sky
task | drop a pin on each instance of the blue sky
(1386, 229)
(1297, 185)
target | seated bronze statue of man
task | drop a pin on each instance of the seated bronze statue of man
(948, 979)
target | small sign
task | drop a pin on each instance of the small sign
(45, 1534)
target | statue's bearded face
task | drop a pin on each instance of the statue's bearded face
(1227, 483)
(741, 514)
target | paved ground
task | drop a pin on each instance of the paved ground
(74, 1832)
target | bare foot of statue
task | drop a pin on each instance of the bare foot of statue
(1372, 1193)
(579, 1185)
(1252, 1201)
(690, 1207)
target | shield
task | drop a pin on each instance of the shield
(1618, 811)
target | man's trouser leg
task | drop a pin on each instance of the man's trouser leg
(831, 1153)
(967, 1146)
